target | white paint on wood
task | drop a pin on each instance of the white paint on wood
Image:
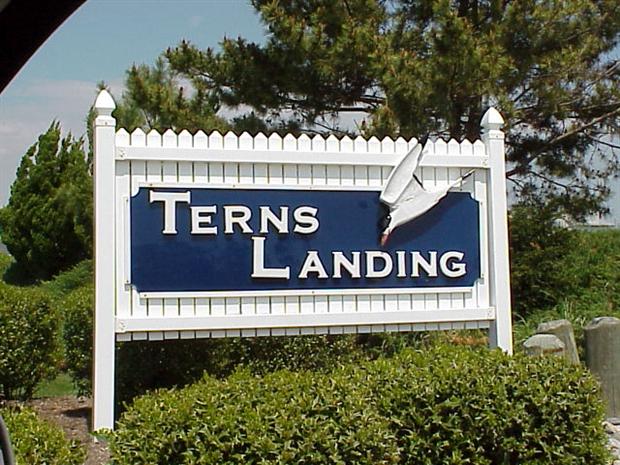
(104, 191)
(500, 333)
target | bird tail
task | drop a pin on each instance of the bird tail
(460, 180)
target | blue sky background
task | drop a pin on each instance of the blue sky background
(99, 42)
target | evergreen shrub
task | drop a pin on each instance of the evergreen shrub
(146, 365)
(78, 336)
(67, 281)
(29, 340)
(47, 223)
(37, 442)
(448, 405)
(539, 258)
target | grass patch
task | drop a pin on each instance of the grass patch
(57, 387)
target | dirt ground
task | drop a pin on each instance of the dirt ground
(72, 414)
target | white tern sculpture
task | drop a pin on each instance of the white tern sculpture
(405, 195)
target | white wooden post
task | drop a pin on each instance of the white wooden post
(103, 370)
(500, 332)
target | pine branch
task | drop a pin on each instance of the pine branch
(561, 138)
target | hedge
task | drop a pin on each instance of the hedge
(36, 442)
(29, 341)
(78, 336)
(447, 405)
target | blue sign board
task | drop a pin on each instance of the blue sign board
(214, 239)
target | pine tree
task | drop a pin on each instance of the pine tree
(47, 224)
(156, 99)
(431, 68)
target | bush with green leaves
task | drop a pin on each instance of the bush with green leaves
(592, 263)
(74, 278)
(47, 223)
(146, 365)
(449, 405)
(29, 340)
(538, 251)
(78, 336)
(37, 442)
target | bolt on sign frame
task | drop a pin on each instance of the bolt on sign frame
(133, 300)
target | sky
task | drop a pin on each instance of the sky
(99, 42)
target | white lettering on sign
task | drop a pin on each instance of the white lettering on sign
(258, 262)
(352, 266)
(202, 216)
(429, 266)
(279, 222)
(313, 264)
(373, 264)
(457, 269)
(307, 223)
(237, 215)
(170, 200)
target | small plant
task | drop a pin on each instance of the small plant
(36, 442)
(592, 264)
(79, 276)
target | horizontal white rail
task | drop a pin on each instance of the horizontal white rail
(322, 158)
(132, 324)
(305, 292)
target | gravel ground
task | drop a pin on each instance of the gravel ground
(612, 428)
(72, 414)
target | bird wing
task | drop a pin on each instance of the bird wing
(415, 200)
(400, 178)
(412, 190)
(460, 180)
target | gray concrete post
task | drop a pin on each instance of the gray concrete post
(563, 329)
(544, 344)
(602, 337)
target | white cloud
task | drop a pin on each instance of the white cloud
(195, 21)
(26, 111)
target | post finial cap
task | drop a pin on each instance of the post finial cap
(104, 105)
(492, 120)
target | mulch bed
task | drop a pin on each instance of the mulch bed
(73, 415)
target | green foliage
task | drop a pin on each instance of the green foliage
(37, 442)
(538, 259)
(432, 67)
(447, 405)
(67, 281)
(148, 365)
(47, 224)
(5, 262)
(296, 353)
(29, 342)
(592, 265)
(155, 99)
(77, 335)
(62, 385)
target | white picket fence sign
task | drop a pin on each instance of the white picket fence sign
(125, 162)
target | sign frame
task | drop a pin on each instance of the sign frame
(123, 163)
